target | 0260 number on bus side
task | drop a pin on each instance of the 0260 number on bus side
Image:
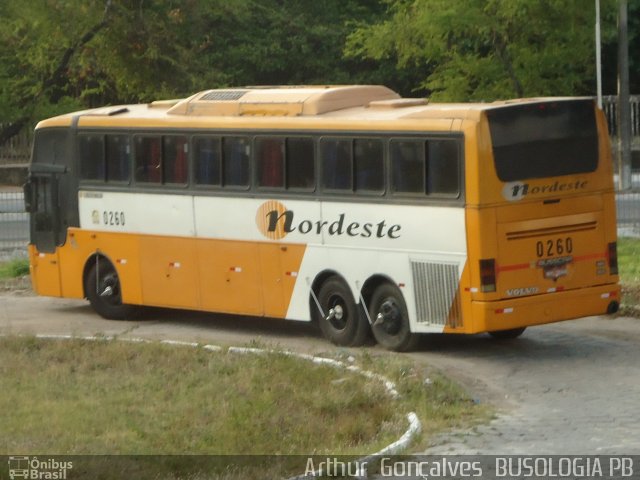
(113, 218)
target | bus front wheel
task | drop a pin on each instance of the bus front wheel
(102, 288)
(340, 319)
(390, 320)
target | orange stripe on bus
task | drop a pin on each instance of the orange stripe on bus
(590, 256)
(522, 266)
(508, 268)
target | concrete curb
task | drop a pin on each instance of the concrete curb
(394, 448)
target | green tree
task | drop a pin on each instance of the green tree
(488, 49)
(63, 55)
(38, 43)
(272, 42)
(634, 45)
(610, 53)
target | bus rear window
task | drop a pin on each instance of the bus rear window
(545, 139)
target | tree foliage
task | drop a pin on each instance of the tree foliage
(634, 44)
(63, 55)
(38, 42)
(488, 49)
(610, 53)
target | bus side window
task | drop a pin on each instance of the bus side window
(270, 162)
(117, 158)
(206, 154)
(407, 166)
(236, 154)
(148, 159)
(300, 164)
(174, 159)
(337, 169)
(369, 165)
(443, 171)
(92, 165)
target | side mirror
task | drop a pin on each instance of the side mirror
(29, 203)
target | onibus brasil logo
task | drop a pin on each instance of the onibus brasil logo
(38, 469)
(275, 221)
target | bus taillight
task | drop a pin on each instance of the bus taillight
(612, 253)
(488, 275)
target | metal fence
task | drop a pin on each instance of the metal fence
(14, 224)
(628, 209)
(610, 107)
(628, 201)
(17, 149)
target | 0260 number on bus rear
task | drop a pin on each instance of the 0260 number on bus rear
(550, 248)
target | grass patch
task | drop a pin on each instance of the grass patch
(87, 397)
(629, 268)
(629, 260)
(440, 403)
(14, 268)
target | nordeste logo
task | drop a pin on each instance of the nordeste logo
(275, 221)
(515, 191)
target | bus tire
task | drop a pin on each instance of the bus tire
(507, 334)
(342, 323)
(390, 319)
(105, 294)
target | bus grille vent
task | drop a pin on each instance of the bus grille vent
(436, 288)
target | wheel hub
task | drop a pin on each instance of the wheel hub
(109, 289)
(389, 317)
(107, 292)
(337, 315)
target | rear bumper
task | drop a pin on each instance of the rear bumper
(541, 309)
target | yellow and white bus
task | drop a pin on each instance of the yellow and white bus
(346, 205)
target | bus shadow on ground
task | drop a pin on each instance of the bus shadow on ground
(242, 324)
(545, 341)
(541, 342)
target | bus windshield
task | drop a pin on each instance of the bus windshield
(545, 139)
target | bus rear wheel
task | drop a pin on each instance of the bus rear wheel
(341, 322)
(390, 319)
(102, 287)
(507, 334)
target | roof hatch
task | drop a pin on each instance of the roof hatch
(281, 101)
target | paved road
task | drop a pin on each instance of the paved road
(566, 388)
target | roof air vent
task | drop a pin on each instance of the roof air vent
(223, 95)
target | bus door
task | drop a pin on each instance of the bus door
(49, 197)
(41, 200)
